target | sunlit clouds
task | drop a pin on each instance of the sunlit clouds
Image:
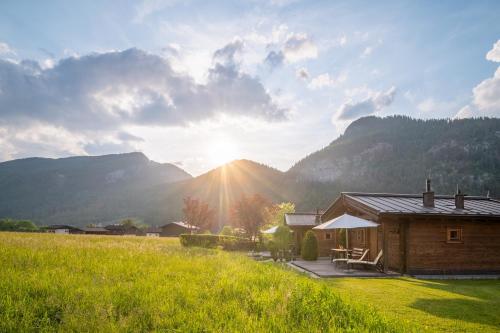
(200, 83)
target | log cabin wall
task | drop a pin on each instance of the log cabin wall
(391, 243)
(298, 235)
(326, 241)
(430, 251)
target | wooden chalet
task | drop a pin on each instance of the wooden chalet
(153, 232)
(174, 229)
(300, 223)
(123, 230)
(63, 229)
(422, 234)
(96, 231)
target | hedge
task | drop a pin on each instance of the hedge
(229, 243)
(309, 249)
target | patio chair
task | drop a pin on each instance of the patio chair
(360, 254)
(377, 263)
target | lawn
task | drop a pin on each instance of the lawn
(434, 306)
(111, 284)
(137, 284)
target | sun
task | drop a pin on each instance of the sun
(222, 152)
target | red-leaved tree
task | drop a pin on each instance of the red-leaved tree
(249, 213)
(198, 214)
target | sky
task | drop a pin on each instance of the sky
(200, 83)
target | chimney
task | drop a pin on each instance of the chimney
(428, 195)
(459, 199)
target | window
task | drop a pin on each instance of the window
(328, 235)
(361, 235)
(454, 235)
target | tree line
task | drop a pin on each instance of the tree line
(248, 215)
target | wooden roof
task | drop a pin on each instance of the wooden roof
(301, 219)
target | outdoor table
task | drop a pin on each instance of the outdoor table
(337, 252)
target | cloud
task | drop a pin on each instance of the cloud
(367, 51)
(432, 106)
(148, 7)
(494, 53)
(299, 47)
(274, 59)
(465, 112)
(376, 102)
(296, 47)
(101, 94)
(321, 81)
(6, 49)
(302, 74)
(325, 80)
(227, 55)
(486, 95)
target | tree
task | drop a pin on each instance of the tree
(128, 223)
(275, 215)
(17, 225)
(309, 246)
(25, 225)
(198, 214)
(282, 237)
(249, 213)
(227, 231)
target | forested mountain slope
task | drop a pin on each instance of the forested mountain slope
(393, 154)
(80, 190)
(396, 154)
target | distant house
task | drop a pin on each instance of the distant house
(96, 231)
(63, 229)
(123, 230)
(153, 232)
(422, 234)
(300, 223)
(174, 229)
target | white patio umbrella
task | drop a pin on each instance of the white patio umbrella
(346, 221)
(270, 230)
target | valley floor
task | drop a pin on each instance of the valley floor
(114, 284)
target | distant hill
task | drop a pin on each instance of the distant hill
(80, 190)
(220, 187)
(393, 154)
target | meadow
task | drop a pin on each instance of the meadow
(135, 284)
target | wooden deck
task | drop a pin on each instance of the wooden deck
(325, 269)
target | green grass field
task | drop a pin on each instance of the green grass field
(106, 284)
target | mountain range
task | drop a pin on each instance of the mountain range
(393, 154)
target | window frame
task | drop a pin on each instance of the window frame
(460, 234)
(328, 236)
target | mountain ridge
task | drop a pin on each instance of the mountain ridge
(392, 154)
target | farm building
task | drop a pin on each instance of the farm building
(153, 232)
(422, 234)
(174, 229)
(300, 223)
(63, 229)
(96, 231)
(123, 230)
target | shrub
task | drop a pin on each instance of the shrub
(271, 246)
(227, 231)
(310, 246)
(208, 241)
(229, 243)
(283, 237)
(17, 225)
